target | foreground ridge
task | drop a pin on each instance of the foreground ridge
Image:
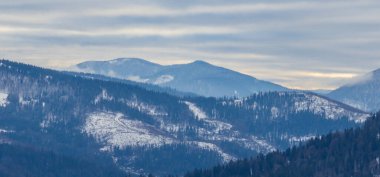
(354, 152)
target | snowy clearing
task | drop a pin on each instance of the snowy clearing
(114, 130)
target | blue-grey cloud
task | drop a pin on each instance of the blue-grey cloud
(300, 44)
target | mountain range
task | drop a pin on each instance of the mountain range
(198, 77)
(204, 79)
(139, 130)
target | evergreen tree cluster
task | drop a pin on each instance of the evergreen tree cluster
(353, 152)
(23, 161)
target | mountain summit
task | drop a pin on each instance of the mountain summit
(198, 77)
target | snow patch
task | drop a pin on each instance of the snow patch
(48, 77)
(6, 131)
(296, 140)
(218, 125)
(263, 144)
(103, 96)
(198, 113)
(3, 99)
(163, 79)
(301, 138)
(238, 102)
(209, 146)
(49, 119)
(137, 79)
(172, 128)
(114, 130)
(106, 149)
(148, 109)
(25, 101)
(274, 112)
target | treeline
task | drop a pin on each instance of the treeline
(354, 152)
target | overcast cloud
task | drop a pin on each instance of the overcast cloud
(299, 44)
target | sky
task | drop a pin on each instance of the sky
(299, 44)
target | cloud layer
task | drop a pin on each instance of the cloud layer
(299, 44)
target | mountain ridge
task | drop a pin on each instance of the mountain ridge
(198, 77)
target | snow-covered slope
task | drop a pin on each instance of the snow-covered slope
(326, 107)
(362, 92)
(198, 77)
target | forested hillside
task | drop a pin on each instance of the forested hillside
(135, 129)
(23, 161)
(353, 152)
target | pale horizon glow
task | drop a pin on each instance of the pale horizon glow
(297, 44)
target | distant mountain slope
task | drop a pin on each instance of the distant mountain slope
(363, 92)
(198, 77)
(140, 130)
(354, 152)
